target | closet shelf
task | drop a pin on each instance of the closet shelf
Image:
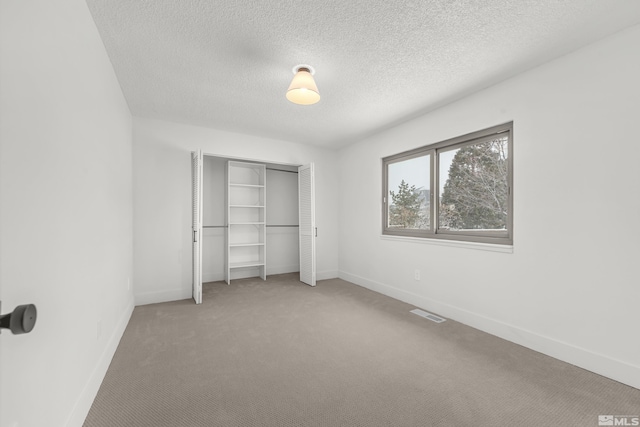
(246, 216)
(246, 185)
(246, 264)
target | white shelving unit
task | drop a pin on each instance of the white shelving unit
(246, 222)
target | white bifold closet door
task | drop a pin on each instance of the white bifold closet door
(196, 188)
(307, 223)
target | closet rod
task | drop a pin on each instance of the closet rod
(269, 225)
(281, 170)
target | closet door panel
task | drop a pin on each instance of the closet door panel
(307, 222)
(196, 192)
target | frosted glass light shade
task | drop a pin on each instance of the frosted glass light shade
(303, 89)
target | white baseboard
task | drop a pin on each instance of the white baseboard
(212, 277)
(282, 269)
(163, 296)
(617, 370)
(215, 277)
(326, 275)
(90, 390)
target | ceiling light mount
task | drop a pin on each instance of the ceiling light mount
(303, 89)
(306, 67)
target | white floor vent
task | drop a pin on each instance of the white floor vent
(427, 315)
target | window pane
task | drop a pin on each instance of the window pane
(474, 187)
(409, 195)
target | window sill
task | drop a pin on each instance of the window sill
(491, 247)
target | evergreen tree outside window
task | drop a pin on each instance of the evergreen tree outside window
(471, 186)
(409, 204)
(404, 211)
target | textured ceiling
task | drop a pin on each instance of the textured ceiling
(226, 64)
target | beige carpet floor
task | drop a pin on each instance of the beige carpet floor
(280, 353)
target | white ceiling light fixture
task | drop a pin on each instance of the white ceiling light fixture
(303, 89)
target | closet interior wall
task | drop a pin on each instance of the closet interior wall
(281, 216)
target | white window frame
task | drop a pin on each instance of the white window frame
(501, 237)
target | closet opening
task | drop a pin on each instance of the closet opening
(249, 219)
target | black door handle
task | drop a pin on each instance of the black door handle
(21, 320)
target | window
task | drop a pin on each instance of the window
(459, 189)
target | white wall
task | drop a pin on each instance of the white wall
(65, 210)
(162, 199)
(283, 243)
(570, 287)
(214, 213)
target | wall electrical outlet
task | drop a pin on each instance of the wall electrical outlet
(416, 275)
